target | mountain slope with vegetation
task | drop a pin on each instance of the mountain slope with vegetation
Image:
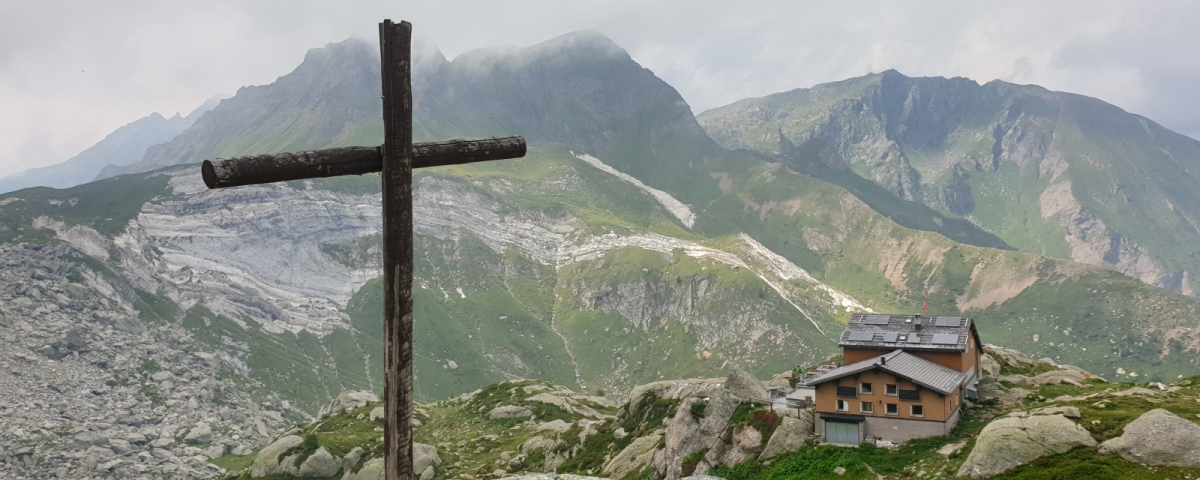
(712, 426)
(627, 247)
(1052, 173)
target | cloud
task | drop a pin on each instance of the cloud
(73, 71)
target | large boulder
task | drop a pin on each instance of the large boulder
(1158, 437)
(319, 465)
(686, 435)
(425, 456)
(268, 462)
(372, 470)
(510, 411)
(346, 400)
(789, 436)
(744, 385)
(633, 459)
(1012, 441)
(200, 434)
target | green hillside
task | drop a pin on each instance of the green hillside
(1045, 172)
(886, 191)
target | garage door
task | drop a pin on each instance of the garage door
(841, 433)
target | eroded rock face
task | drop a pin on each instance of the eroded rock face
(1012, 441)
(1158, 437)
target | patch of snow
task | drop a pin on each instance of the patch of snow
(677, 208)
(786, 270)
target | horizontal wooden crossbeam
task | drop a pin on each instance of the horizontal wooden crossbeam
(282, 167)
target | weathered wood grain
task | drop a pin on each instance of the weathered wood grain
(395, 45)
(282, 167)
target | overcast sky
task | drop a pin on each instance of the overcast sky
(73, 71)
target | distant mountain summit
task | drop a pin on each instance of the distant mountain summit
(123, 146)
(1053, 173)
(331, 96)
(579, 89)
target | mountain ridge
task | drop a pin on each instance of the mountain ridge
(123, 146)
(1047, 172)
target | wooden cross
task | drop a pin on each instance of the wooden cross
(395, 159)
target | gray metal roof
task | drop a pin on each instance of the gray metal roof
(902, 331)
(902, 364)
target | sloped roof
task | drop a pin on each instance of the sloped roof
(920, 371)
(909, 332)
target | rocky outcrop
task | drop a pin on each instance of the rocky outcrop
(271, 460)
(789, 436)
(320, 464)
(743, 385)
(372, 470)
(347, 400)
(990, 389)
(1159, 438)
(686, 435)
(1016, 440)
(989, 365)
(510, 411)
(636, 457)
(734, 446)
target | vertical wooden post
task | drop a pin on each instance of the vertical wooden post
(395, 50)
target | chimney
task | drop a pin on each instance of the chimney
(883, 360)
(917, 323)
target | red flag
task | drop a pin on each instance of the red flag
(926, 307)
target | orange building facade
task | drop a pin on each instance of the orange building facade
(903, 377)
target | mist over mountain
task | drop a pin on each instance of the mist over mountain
(580, 89)
(124, 146)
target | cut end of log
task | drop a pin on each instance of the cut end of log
(210, 175)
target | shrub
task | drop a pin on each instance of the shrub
(698, 409)
(310, 443)
(764, 421)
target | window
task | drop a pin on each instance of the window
(866, 407)
(847, 391)
(892, 409)
(918, 411)
(865, 388)
(913, 395)
(843, 405)
(889, 390)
